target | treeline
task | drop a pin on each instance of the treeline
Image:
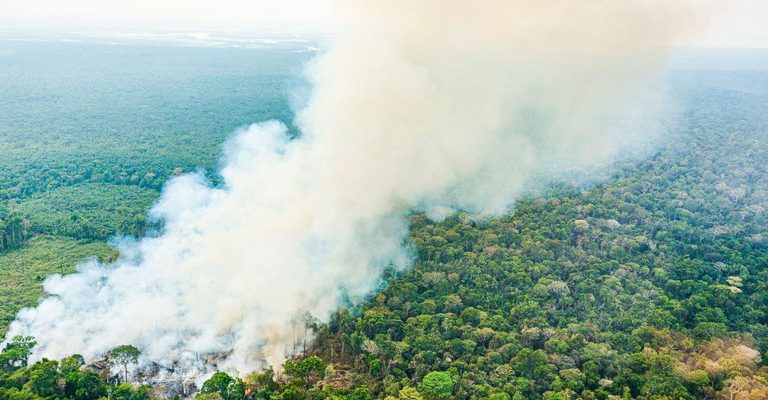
(35, 180)
(89, 211)
(69, 378)
(72, 378)
(312, 378)
(14, 230)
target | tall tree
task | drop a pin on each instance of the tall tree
(123, 356)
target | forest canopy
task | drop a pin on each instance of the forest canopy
(649, 284)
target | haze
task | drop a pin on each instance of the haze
(738, 23)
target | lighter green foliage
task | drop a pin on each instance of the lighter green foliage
(436, 386)
(409, 393)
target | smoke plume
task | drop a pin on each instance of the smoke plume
(417, 105)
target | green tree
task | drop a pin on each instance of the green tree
(436, 386)
(71, 364)
(43, 378)
(121, 392)
(227, 387)
(16, 352)
(308, 370)
(124, 355)
(89, 387)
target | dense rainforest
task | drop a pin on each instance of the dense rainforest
(650, 284)
(87, 164)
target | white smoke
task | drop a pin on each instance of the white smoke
(420, 104)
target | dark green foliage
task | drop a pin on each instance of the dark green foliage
(122, 392)
(89, 386)
(16, 352)
(47, 379)
(43, 379)
(436, 386)
(227, 387)
(71, 364)
(89, 211)
(308, 370)
(14, 230)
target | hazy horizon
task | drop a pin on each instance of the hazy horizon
(739, 24)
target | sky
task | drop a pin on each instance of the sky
(734, 23)
(740, 23)
(165, 14)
